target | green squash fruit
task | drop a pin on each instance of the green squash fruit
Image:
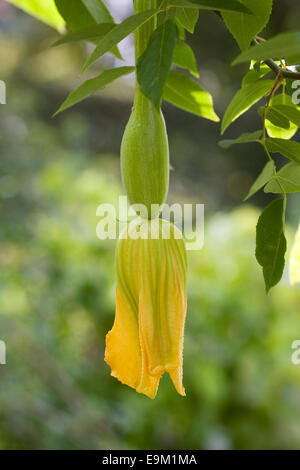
(145, 156)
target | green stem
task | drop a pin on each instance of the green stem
(278, 81)
(275, 86)
(267, 153)
(143, 33)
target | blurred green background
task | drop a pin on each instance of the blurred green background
(57, 281)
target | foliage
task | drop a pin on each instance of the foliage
(45, 11)
(245, 27)
(244, 19)
(57, 303)
(271, 242)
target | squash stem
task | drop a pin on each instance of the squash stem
(143, 33)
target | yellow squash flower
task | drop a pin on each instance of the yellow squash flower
(147, 336)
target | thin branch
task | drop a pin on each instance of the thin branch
(284, 73)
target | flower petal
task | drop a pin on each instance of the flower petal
(147, 336)
(162, 310)
(123, 353)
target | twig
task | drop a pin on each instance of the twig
(284, 73)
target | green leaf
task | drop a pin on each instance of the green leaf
(289, 180)
(92, 85)
(289, 112)
(75, 14)
(271, 242)
(255, 74)
(98, 10)
(245, 28)
(264, 177)
(183, 92)
(276, 118)
(283, 46)
(45, 11)
(82, 15)
(292, 87)
(244, 99)
(180, 30)
(219, 5)
(279, 132)
(188, 18)
(288, 148)
(93, 33)
(184, 57)
(119, 32)
(154, 64)
(245, 138)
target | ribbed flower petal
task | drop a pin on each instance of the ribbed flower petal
(147, 337)
(122, 344)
